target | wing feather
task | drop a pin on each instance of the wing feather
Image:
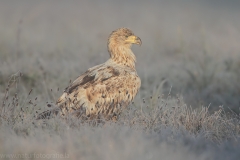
(103, 90)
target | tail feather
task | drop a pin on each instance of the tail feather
(48, 114)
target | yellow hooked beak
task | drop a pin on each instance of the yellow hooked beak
(134, 39)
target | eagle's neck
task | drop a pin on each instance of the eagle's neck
(122, 55)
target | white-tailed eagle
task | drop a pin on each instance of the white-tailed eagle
(104, 90)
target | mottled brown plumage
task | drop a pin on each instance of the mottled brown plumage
(104, 90)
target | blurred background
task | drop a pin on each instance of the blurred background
(190, 47)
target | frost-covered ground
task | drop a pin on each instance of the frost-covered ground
(189, 65)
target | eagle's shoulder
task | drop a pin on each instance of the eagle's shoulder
(100, 74)
(86, 77)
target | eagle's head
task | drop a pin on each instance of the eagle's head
(123, 37)
(119, 46)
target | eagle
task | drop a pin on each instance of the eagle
(103, 91)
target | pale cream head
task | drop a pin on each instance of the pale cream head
(119, 46)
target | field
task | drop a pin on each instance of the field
(188, 105)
